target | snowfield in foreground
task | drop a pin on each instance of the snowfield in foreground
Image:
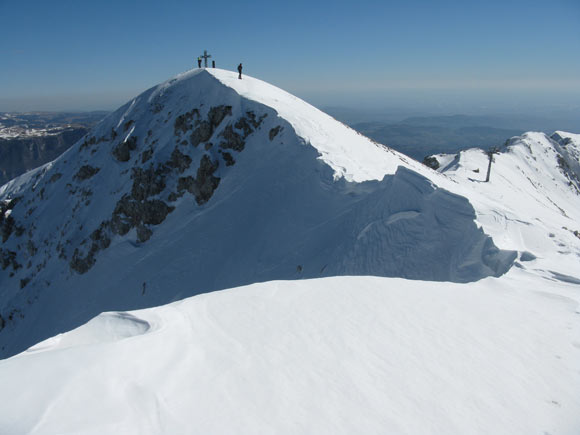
(332, 355)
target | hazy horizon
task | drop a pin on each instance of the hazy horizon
(449, 56)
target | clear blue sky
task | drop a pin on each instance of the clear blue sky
(97, 54)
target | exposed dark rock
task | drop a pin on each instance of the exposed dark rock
(24, 282)
(130, 213)
(100, 236)
(122, 152)
(7, 259)
(146, 155)
(274, 132)
(183, 122)
(7, 225)
(201, 134)
(147, 182)
(431, 162)
(143, 233)
(179, 161)
(55, 177)
(100, 240)
(113, 134)
(173, 196)
(204, 129)
(232, 140)
(88, 142)
(31, 248)
(85, 172)
(208, 146)
(186, 183)
(244, 125)
(251, 116)
(569, 173)
(228, 158)
(204, 184)
(128, 124)
(217, 114)
(156, 107)
(82, 264)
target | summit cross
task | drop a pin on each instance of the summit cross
(205, 57)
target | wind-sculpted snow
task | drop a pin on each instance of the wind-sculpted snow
(204, 183)
(531, 203)
(342, 355)
(107, 327)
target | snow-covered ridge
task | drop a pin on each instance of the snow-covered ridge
(197, 185)
(532, 201)
(208, 182)
(350, 154)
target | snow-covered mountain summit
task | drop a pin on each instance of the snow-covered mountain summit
(208, 182)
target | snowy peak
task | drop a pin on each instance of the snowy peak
(208, 182)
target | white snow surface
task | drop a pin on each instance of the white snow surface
(497, 351)
(350, 154)
(326, 356)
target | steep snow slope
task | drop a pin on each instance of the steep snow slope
(208, 182)
(328, 356)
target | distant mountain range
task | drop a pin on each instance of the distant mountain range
(29, 140)
(419, 136)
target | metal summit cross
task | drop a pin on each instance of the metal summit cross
(205, 57)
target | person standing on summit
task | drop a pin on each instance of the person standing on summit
(199, 62)
(240, 70)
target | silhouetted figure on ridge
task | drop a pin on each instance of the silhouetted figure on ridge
(240, 71)
(199, 62)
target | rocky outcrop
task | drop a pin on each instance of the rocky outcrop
(183, 123)
(217, 114)
(231, 139)
(204, 128)
(204, 184)
(228, 158)
(201, 134)
(129, 213)
(7, 222)
(431, 162)
(274, 132)
(55, 177)
(246, 125)
(8, 259)
(147, 182)
(122, 152)
(85, 172)
(179, 161)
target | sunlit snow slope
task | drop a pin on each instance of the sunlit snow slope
(207, 182)
(343, 355)
(532, 201)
